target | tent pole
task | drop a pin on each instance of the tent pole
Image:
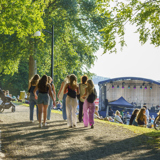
(107, 110)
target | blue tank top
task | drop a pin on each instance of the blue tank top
(32, 89)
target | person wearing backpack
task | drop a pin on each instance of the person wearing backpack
(89, 105)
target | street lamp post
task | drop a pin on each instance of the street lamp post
(38, 33)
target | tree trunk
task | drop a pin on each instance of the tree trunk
(32, 67)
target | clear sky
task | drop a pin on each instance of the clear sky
(134, 60)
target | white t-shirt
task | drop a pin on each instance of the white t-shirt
(82, 91)
(117, 119)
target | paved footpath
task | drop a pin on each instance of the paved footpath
(24, 140)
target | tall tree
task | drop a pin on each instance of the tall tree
(144, 14)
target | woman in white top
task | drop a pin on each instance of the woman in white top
(82, 87)
(117, 118)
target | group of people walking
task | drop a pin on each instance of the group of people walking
(43, 95)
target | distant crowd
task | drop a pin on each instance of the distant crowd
(139, 117)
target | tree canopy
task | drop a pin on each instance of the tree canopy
(22, 17)
(144, 14)
(76, 36)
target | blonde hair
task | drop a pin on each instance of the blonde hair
(35, 79)
(73, 80)
(49, 79)
(67, 79)
(90, 87)
(96, 107)
(140, 115)
(117, 112)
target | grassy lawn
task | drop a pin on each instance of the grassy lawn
(152, 134)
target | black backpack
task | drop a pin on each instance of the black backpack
(91, 98)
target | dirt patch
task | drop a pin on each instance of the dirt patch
(24, 140)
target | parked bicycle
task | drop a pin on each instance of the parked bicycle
(157, 122)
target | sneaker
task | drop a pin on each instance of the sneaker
(44, 124)
(92, 126)
(70, 126)
(31, 121)
(40, 125)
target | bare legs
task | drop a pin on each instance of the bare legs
(44, 113)
(42, 107)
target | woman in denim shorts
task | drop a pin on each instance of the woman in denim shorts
(43, 98)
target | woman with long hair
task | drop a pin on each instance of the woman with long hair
(50, 99)
(71, 100)
(61, 96)
(141, 118)
(82, 87)
(43, 98)
(89, 105)
(134, 114)
(32, 101)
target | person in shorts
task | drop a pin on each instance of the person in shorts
(45, 90)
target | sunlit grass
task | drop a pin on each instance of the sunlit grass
(152, 134)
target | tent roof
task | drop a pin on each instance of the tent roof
(121, 102)
(128, 78)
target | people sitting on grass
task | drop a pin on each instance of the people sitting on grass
(132, 120)
(4, 92)
(141, 118)
(111, 112)
(58, 106)
(117, 118)
(110, 119)
(7, 93)
(128, 116)
(96, 114)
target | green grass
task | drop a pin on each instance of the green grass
(154, 135)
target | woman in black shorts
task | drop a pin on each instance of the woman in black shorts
(43, 98)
